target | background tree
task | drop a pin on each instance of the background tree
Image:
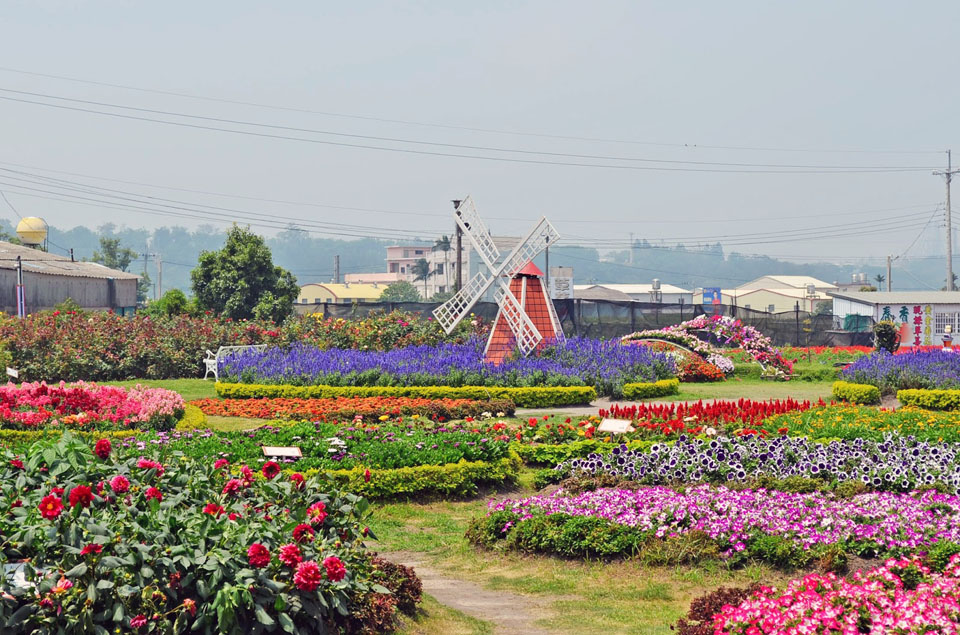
(421, 271)
(112, 255)
(173, 302)
(443, 244)
(879, 278)
(400, 292)
(240, 281)
(442, 296)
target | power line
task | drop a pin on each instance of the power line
(771, 169)
(10, 205)
(456, 127)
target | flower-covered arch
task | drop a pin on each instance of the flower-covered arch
(730, 331)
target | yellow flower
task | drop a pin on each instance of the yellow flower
(384, 417)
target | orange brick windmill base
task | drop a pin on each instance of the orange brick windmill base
(528, 287)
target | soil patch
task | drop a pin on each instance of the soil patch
(508, 612)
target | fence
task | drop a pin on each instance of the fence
(609, 319)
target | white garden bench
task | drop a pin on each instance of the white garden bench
(212, 360)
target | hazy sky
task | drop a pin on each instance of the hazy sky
(656, 81)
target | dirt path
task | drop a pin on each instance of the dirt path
(508, 612)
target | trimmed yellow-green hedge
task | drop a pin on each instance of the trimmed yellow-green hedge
(930, 399)
(533, 397)
(660, 388)
(863, 394)
(192, 418)
(451, 479)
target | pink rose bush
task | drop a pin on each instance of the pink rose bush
(87, 406)
(902, 596)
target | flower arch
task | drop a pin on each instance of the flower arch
(728, 330)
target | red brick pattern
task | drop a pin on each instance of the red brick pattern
(502, 341)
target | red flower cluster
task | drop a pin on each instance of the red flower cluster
(678, 418)
(50, 506)
(270, 470)
(81, 495)
(154, 493)
(103, 448)
(213, 509)
(335, 569)
(290, 555)
(119, 484)
(258, 555)
(303, 533)
(308, 576)
(317, 513)
(91, 548)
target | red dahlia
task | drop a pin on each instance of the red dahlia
(17, 463)
(290, 555)
(153, 492)
(91, 548)
(213, 509)
(335, 569)
(297, 479)
(103, 448)
(316, 513)
(232, 486)
(220, 463)
(120, 484)
(308, 576)
(270, 470)
(303, 533)
(81, 495)
(258, 555)
(50, 506)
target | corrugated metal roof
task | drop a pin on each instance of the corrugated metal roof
(36, 261)
(899, 297)
(598, 292)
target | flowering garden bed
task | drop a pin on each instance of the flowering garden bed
(87, 406)
(913, 369)
(121, 543)
(604, 364)
(334, 409)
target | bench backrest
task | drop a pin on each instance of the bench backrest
(223, 351)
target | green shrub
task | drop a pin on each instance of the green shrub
(886, 336)
(930, 399)
(863, 394)
(544, 454)
(527, 397)
(563, 534)
(660, 388)
(192, 419)
(939, 554)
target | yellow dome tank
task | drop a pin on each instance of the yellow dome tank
(32, 230)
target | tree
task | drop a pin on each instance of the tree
(400, 292)
(442, 296)
(112, 255)
(173, 302)
(240, 281)
(944, 287)
(443, 244)
(421, 271)
(879, 278)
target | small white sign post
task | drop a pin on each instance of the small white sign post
(615, 426)
(13, 372)
(282, 451)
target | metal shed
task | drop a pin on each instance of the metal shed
(49, 279)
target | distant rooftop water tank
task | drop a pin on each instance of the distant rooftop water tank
(32, 230)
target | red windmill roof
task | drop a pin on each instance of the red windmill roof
(530, 270)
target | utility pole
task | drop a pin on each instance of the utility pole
(336, 269)
(547, 267)
(21, 301)
(456, 205)
(631, 249)
(948, 174)
(889, 269)
(159, 276)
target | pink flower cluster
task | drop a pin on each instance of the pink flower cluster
(887, 599)
(82, 404)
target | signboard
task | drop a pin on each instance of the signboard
(561, 283)
(712, 295)
(13, 372)
(285, 451)
(615, 426)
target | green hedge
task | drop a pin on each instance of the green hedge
(660, 388)
(535, 397)
(930, 399)
(864, 394)
(554, 454)
(452, 479)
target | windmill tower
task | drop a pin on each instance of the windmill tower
(521, 300)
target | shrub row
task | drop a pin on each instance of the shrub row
(534, 397)
(930, 399)
(346, 408)
(863, 394)
(552, 454)
(660, 388)
(192, 418)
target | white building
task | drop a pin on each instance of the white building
(668, 293)
(923, 316)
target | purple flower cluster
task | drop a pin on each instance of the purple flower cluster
(883, 520)
(896, 463)
(605, 364)
(914, 369)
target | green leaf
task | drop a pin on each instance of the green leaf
(111, 562)
(286, 623)
(118, 612)
(77, 571)
(377, 588)
(263, 617)
(105, 584)
(21, 614)
(146, 572)
(92, 593)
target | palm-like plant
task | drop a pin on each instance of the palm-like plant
(421, 271)
(443, 244)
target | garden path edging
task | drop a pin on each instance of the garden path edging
(508, 612)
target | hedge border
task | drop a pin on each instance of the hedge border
(861, 394)
(662, 388)
(930, 399)
(523, 397)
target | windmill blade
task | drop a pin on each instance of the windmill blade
(539, 238)
(453, 310)
(476, 231)
(524, 332)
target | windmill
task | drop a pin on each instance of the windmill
(513, 312)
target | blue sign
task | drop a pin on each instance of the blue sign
(711, 295)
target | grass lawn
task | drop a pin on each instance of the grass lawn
(756, 389)
(583, 596)
(189, 389)
(434, 618)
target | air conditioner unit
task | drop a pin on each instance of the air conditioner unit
(656, 284)
(811, 290)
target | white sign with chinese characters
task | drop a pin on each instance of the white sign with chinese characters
(615, 426)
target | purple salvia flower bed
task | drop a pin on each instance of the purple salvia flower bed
(914, 369)
(892, 522)
(604, 364)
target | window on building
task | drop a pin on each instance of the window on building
(315, 300)
(441, 289)
(394, 267)
(403, 270)
(746, 306)
(406, 253)
(771, 308)
(439, 269)
(941, 320)
(418, 252)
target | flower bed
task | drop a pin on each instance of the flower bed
(334, 409)
(914, 369)
(87, 406)
(859, 422)
(603, 364)
(129, 544)
(902, 596)
(895, 463)
(102, 346)
(769, 525)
